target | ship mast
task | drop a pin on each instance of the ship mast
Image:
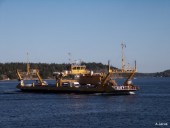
(123, 58)
(69, 59)
(28, 65)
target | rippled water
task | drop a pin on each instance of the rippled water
(149, 106)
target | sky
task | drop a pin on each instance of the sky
(91, 30)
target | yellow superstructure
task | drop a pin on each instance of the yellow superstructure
(78, 69)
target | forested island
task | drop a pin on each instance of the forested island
(8, 70)
(165, 73)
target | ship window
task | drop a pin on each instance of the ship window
(74, 68)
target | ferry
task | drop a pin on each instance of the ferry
(82, 81)
(87, 83)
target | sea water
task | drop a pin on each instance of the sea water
(149, 107)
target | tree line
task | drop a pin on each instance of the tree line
(46, 70)
(8, 70)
